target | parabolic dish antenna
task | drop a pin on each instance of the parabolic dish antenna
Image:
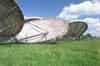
(40, 30)
(77, 28)
(11, 18)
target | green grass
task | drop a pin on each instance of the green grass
(75, 53)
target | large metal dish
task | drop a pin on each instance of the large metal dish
(76, 29)
(11, 18)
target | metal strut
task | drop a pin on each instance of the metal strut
(44, 35)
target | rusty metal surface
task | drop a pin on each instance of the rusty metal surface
(11, 18)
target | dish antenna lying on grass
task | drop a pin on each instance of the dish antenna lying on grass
(11, 19)
(40, 30)
(12, 24)
(77, 28)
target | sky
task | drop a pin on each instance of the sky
(83, 10)
(44, 8)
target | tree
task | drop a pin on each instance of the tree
(87, 36)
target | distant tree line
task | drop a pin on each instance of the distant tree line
(87, 36)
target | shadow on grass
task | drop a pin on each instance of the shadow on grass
(41, 43)
(20, 43)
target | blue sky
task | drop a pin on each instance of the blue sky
(44, 8)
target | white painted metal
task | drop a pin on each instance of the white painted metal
(42, 30)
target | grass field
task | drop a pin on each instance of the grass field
(75, 53)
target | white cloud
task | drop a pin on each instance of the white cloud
(87, 8)
(96, 0)
(98, 30)
(74, 11)
(93, 23)
(69, 16)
